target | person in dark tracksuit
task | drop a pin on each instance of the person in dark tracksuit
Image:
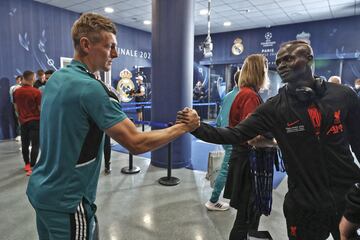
(314, 123)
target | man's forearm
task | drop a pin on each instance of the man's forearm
(140, 142)
(261, 141)
(221, 135)
(136, 142)
(148, 141)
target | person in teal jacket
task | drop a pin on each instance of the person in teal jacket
(223, 121)
(76, 110)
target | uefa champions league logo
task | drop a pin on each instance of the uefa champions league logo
(268, 42)
(268, 47)
(268, 36)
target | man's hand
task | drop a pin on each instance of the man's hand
(260, 141)
(347, 229)
(181, 116)
(189, 117)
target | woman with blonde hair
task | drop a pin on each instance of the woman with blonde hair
(252, 78)
(241, 186)
(239, 189)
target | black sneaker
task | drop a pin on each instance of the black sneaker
(107, 171)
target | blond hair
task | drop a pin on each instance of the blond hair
(90, 25)
(254, 72)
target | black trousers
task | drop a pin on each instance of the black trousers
(16, 122)
(303, 224)
(239, 189)
(246, 220)
(107, 151)
(30, 134)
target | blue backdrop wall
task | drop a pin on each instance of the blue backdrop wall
(335, 44)
(35, 35)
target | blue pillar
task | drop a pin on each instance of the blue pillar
(172, 71)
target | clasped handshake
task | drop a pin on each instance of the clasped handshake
(189, 117)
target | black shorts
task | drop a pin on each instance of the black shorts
(139, 106)
(310, 224)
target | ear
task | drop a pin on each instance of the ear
(85, 44)
(311, 63)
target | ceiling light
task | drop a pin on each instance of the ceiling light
(147, 22)
(109, 10)
(243, 10)
(203, 12)
(227, 23)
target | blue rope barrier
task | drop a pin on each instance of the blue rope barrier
(212, 123)
(134, 103)
(148, 107)
(204, 104)
(148, 103)
(131, 108)
(153, 124)
(158, 124)
(134, 108)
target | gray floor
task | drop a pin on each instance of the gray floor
(132, 206)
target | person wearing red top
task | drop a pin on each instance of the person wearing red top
(27, 101)
(238, 187)
(244, 104)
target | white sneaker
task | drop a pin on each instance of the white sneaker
(218, 206)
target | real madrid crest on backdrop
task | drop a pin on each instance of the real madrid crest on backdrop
(305, 36)
(238, 47)
(125, 86)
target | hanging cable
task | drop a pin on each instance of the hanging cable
(206, 47)
(209, 11)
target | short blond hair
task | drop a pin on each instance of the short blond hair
(254, 72)
(90, 25)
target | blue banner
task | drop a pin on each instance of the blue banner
(36, 35)
(334, 41)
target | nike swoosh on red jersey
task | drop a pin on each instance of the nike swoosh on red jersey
(292, 123)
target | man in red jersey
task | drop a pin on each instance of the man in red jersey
(27, 104)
